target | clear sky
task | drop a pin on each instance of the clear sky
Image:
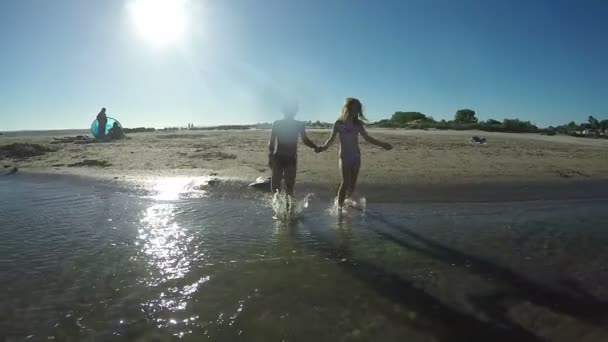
(238, 61)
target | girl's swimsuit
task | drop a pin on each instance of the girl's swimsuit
(350, 155)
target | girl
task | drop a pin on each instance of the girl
(348, 126)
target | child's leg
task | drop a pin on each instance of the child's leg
(346, 170)
(356, 166)
(290, 177)
(277, 175)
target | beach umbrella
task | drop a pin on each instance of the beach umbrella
(109, 124)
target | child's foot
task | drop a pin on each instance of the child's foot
(340, 210)
(349, 202)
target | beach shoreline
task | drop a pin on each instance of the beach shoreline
(185, 187)
(419, 158)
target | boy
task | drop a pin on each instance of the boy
(283, 158)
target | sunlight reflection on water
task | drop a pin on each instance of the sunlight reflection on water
(174, 188)
(170, 250)
(165, 242)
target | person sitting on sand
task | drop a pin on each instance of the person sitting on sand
(348, 127)
(102, 121)
(282, 158)
(116, 132)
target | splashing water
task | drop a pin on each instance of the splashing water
(359, 204)
(349, 205)
(287, 208)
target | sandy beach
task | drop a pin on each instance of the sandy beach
(418, 157)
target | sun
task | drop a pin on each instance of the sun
(160, 22)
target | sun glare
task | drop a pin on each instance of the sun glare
(160, 22)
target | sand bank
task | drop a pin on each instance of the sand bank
(418, 157)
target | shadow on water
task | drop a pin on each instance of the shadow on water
(576, 302)
(438, 319)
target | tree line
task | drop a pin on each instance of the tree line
(593, 127)
(466, 119)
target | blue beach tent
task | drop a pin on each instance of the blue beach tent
(109, 124)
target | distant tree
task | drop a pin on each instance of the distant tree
(465, 116)
(604, 125)
(493, 122)
(405, 117)
(594, 123)
(572, 125)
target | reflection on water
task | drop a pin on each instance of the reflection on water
(174, 188)
(171, 253)
(344, 236)
(165, 243)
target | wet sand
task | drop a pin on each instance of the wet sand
(418, 157)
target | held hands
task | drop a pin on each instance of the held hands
(321, 148)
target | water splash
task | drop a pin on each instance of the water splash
(287, 208)
(359, 204)
(350, 204)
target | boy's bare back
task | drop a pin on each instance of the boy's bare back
(287, 133)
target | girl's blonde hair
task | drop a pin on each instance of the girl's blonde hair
(353, 109)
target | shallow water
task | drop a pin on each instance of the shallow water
(82, 261)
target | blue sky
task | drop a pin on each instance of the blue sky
(239, 61)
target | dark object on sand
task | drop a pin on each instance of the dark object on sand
(262, 184)
(91, 162)
(79, 139)
(12, 171)
(477, 140)
(139, 130)
(22, 150)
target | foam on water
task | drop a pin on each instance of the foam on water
(349, 205)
